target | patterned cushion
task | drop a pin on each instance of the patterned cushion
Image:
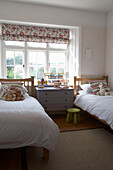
(13, 86)
(95, 86)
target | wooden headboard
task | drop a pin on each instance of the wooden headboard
(28, 83)
(78, 81)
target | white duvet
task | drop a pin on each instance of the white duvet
(25, 123)
(100, 106)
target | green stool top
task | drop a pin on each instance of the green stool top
(72, 110)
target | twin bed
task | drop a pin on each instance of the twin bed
(25, 123)
(100, 107)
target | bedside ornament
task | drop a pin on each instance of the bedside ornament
(57, 84)
(40, 86)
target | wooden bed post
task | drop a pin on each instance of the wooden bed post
(45, 154)
(32, 85)
(106, 78)
(74, 86)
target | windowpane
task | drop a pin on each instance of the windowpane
(32, 58)
(60, 46)
(39, 70)
(10, 57)
(41, 58)
(15, 43)
(10, 72)
(57, 62)
(37, 61)
(52, 58)
(18, 71)
(14, 64)
(32, 71)
(61, 58)
(35, 44)
(61, 70)
(18, 58)
(53, 70)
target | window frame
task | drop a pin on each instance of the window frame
(25, 49)
(11, 48)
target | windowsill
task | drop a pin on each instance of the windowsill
(45, 85)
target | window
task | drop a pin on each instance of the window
(14, 64)
(23, 59)
(57, 62)
(36, 63)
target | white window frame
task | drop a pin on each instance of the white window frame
(11, 48)
(25, 50)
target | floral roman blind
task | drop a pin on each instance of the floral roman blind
(34, 34)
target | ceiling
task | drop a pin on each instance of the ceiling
(90, 5)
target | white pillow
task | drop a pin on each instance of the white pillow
(86, 88)
(80, 92)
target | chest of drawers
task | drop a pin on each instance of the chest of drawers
(53, 99)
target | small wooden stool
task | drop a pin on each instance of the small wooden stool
(76, 113)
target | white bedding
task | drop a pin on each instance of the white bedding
(25, 123)
(100, 106)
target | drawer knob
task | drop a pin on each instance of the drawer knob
(45, 100)
(65, 99)
(65, 93)
(46, 94)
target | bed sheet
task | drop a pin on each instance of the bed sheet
(100, 106)
(25, 123)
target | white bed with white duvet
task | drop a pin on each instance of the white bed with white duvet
(100, 106)
(25, 123)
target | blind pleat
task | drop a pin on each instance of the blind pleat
(34, 34)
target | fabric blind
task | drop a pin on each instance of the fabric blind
(34, 34)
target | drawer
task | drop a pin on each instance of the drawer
(52, 94)
(59, 107)
(56, 100)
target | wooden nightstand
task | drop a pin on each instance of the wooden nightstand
(54, 99)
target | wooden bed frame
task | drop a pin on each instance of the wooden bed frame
(29, 84)
(78, 81)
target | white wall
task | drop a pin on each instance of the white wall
(109, 49)
(93, 38)
(93, 33)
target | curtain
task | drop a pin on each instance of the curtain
(12, 32)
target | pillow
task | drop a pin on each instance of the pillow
(86, 88)
(80, 92)
(13, 86)
(1, 90)
(95, 86)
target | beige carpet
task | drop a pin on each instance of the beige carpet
(76, 150)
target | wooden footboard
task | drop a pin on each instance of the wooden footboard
(45, 154)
